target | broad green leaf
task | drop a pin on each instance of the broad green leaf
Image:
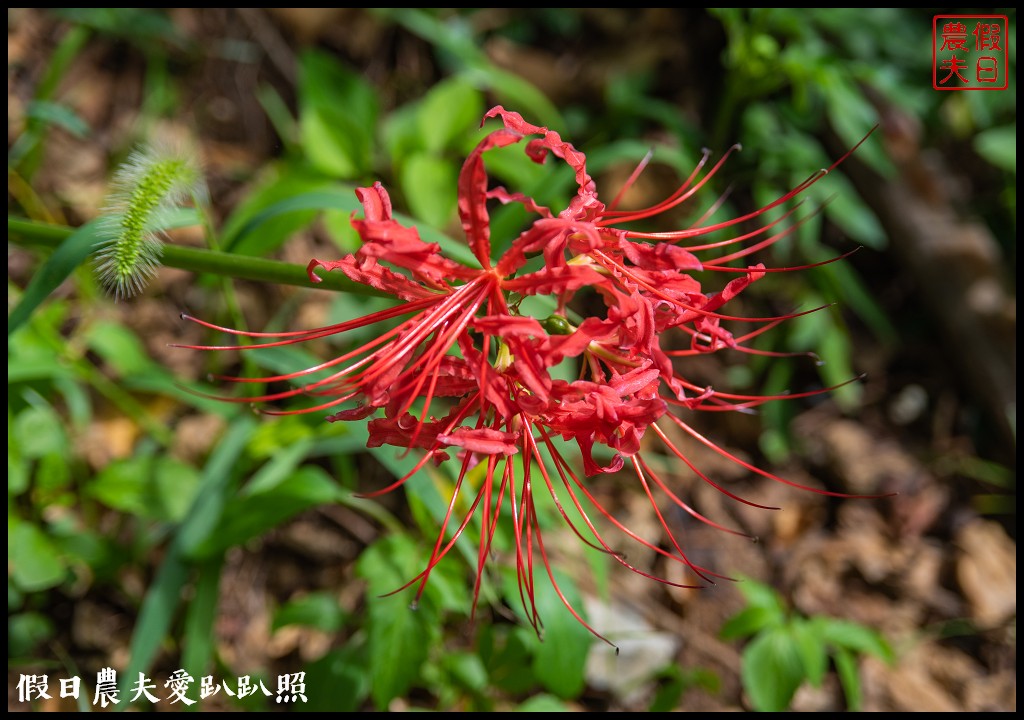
(337, 116)
(278, 182)
(329, 137)
(39, 431)
(177, 483)
(506, 651)
(127, 485)
(104, 555)
(338, 224)
(450, 110)
(401, 133)
(772, 670)
(514, 91)
(118, 346)
(76, 400)
(811, 645)
(295, 212)
(52, 474)
(467, 670)
(668, 694)
(750, 621)
(561, 656)
(853, 116)
(25, 631)
(998, 146)
(34, 368)
(430, 185)
(676, 681)
(512, 166)
(343, 679)
(543, 703)
(318, 610)
(760, 595)
(851, 214)
(455, 37)
(849, 678)
(856, 637)
(276, 435)
(398, 635)
(35, 562)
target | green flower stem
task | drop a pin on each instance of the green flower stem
(243, 267)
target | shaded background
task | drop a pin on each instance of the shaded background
(107, 458)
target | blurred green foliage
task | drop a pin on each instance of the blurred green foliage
(787, 650)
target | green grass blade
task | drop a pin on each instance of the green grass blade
(155, 617)
(202, 612)
(214, 487)
(163, 597)
(72, 252)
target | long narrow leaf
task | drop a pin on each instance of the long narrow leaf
(202, 612)
(71, 253)
(163, 597)
(214, 487)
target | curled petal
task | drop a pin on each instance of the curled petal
(368, 272)
(401, 431)
(590, 466)
(357, 413)
(473, 195)
(661, 256)
(505, 197)
(734, 288)
(376, 202)
(551, 142)
(639, 380)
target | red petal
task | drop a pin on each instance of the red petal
(476, 222)
(368, 272)
(555, 280)
(482, 440)
(509, 325)
(662, 256)
(376, 202)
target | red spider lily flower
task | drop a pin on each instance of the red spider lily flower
(456, 368)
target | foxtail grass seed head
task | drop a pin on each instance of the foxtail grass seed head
(151, 183)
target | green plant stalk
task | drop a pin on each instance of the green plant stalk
(234, 307)
(29, 233)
